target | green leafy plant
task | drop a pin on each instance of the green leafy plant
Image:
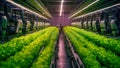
(15, 45)
(107, 43)
(26, 56)
(106, 58)
(87, 57)
(44, 59)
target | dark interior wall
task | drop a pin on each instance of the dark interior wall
(63, 20)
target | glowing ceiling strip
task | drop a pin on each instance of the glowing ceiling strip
(26, 9)
(97, 11)
(61, 7)
(42, 8)
(84, 8)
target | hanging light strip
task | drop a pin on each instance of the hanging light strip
(98, 11)
(61, 7)
(84, 8)
(43, 9)
(26, 9)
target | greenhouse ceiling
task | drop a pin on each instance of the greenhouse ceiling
(74, 8)
(93, 5)
(34, 5)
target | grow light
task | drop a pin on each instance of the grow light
(97, 11)
(84, 8)
(42, 8)
(61, 7)
(26, 9)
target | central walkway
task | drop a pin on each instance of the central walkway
(62, 61)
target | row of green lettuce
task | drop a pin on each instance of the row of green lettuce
(10, 48)
(101, 41)
(45, 57)
(92, 55)
(30, 49)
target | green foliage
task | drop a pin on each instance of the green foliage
(44, 59)
(107, 43)
(15, 45)
(87, 57)
(26, 56)
(106, 58)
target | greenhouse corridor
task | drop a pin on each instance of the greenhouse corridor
(59, 33)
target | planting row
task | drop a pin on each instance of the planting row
(27, 53)
(101, 41)
(16, 44)
(92, 55)
(44, 59)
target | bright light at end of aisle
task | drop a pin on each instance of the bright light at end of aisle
(61, 7)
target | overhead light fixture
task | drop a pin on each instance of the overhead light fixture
(10, 1)
(84, 8)
(61, 8)
(98, 11)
